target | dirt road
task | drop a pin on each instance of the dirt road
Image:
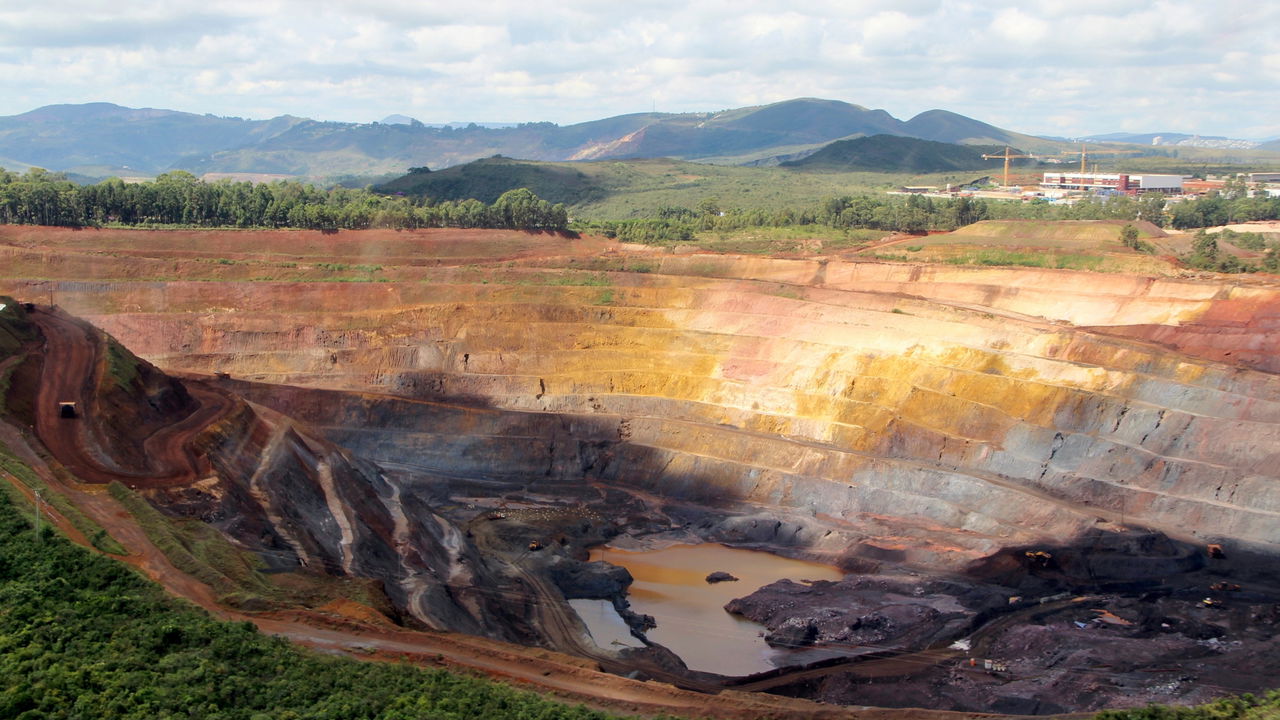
(71, 375)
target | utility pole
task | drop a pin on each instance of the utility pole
(38, 501)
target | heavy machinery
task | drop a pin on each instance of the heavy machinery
(1006, 156)
(1039, 557)
(1084, 152)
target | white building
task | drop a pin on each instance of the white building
(1120, 182)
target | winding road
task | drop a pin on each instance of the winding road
(70, 373)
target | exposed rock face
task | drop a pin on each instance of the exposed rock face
(794, 632)
(876, 612)
(590, 580)
(271, 486)
(312, 504)
(720, 576)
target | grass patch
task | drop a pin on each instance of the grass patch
(96, 533)
(204, 553)
(5, 374)
(605, 297)
(1242, 707)
(786, 239)
(1001, 257)
(199, 551)
(122, 365)
(342, 267)
(588, 279)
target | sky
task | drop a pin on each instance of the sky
(1066, 68)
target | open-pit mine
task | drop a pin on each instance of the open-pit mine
(983, 489)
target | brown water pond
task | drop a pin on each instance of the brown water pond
(670, 584)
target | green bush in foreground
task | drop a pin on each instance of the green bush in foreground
(82, 636)
(1244, 707)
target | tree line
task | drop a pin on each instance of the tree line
(39, 197)
(179, 198)
(920, 213)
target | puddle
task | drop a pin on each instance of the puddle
(606, 626)
(670, 584)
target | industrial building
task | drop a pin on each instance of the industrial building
(1118, 182)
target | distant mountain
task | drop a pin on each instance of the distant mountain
(144, 141)
(1273, 145)
(888, 153)
(109, 139)
(397, 119)
(949, 127)
(1172, 138)
(1137, 138)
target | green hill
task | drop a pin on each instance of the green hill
(487, 179)
(887, 153)
(948, 127)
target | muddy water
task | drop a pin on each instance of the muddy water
(670, 584)
(608, 629)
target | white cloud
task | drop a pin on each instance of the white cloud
(1063, 68)
(1017, 27)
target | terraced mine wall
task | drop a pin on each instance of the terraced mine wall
(928, 413)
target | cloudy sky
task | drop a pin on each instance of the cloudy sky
(1067, 67)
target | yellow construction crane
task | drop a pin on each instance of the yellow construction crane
(1006, 156)
(1085, 153)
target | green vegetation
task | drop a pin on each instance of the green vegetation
(1206, 255)
(1244, 707)
(15, 330)
(893, 153)
(996, 256)
(84, 636)
(1247, 240)
(843, 214)
(98, 536)
(179, 199)
(1234, 204)
(122, 365)
(598, 279)
(1129, 238)
(486, 180)
(199, 551)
